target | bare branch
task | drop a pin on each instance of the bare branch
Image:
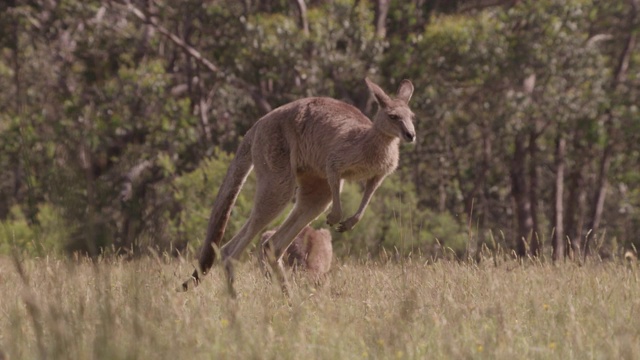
(598, 38)
(256, 95)
(127, 185)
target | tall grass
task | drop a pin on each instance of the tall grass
(75, 309)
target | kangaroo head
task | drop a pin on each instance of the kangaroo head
(394, 116)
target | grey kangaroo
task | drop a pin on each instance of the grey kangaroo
(306, 148)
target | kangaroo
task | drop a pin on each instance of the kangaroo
(311, 250)
(306, 148)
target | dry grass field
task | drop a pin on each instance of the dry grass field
(129, 310)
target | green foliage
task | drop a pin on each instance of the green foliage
(16, 233)
(394, 223)
(196, 191)
(47, 237)
(339, 50)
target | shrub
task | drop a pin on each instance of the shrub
(48, 236)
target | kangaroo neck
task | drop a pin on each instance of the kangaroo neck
(378, 137)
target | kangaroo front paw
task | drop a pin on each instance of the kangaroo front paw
(333, 218)
(347, 224)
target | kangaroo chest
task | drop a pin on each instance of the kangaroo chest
(370, 163)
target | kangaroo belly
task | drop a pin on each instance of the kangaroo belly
(360, 172)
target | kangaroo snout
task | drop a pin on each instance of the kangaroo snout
(409, 136)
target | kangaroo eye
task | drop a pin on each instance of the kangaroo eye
(394, 117)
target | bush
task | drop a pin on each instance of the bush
(395, 223)
(47, 237)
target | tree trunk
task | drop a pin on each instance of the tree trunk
(382, 9)
(90, 232)
(521, 196)
(576, 208)
(533, 190)
(599, 199)
(558, 242)
(480, 175)
(575, 215)
(15, 45)
(302, 13)
(442, 195)
(605, 162)
(444, 164)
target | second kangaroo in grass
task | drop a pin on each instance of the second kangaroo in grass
(311, 251)
(309, 147)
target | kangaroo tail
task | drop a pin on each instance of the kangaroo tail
(233, 181)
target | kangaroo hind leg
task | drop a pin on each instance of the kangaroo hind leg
(312, 198)
(273, 193)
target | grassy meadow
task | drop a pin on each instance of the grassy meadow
(116, 309)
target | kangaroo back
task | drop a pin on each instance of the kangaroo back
(233, 181)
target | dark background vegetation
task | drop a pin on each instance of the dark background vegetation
(118, 119)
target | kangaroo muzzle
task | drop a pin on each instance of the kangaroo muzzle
(409, 136)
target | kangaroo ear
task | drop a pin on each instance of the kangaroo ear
(405, 90)
(381, 98)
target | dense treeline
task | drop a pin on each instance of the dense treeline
(117, 118)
